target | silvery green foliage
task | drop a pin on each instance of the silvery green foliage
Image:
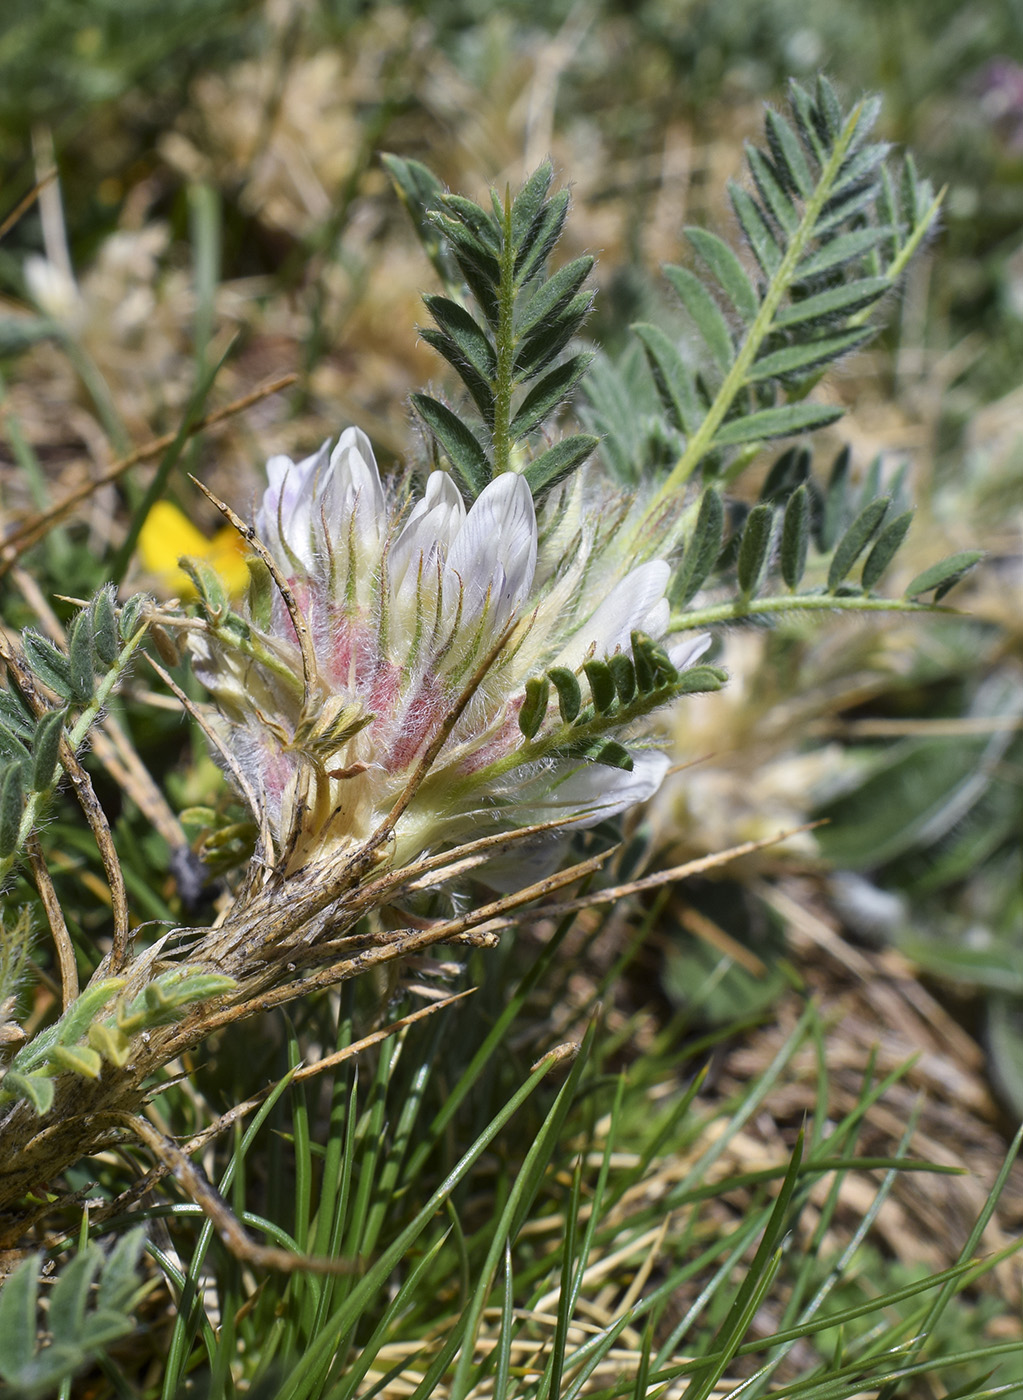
(53, 696)
(829, 222)
(89, 1306)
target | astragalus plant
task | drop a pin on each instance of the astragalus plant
(437, 683)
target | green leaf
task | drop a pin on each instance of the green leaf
(12, 802)
(611, 754)
(38, 1090)
(69, 1298)
(78, 1059)
(131, 616)
(76, 1020)
(552, 466)
(702, 549)
(754, 549)
(119, 1281)
(761, 239)
(837, 252)
(552, 296)
(945, 574)
(456, 441)
(788, 155)
(18, 1325)
(104, 627)
(528, 206)
(421, 192)
(570, 696)
(885, 549)
(83, 674)
(469, 338)
(774, 197)
(807, 355)
(833, 304)
(654, 670)
(624, 675)
(534, 709)
(835, 510)
(672, 378)
(543, 236)
(728, 270)
(789, 471)
(855, 540)
(549, 338)
(545, 396)
(14, 715)
(602, 685)
(776, 422)
(46, 749)
(795, 537)
(699, 679)
(49, 664)
(705, 312)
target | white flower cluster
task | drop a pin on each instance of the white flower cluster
(409, 607)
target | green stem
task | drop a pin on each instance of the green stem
(741, 610)
(505, 346)
(700, 443)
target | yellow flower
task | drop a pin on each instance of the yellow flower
(168, 534)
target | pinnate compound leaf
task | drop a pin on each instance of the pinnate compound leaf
(855, 540)
(944, 574)
(776, 422)
(885, 549)
(456, 441)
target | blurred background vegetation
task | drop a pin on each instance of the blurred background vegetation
(220, 194)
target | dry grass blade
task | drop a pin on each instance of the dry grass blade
(205, 1195)
(27, 534)
(55, 918)
(241, 1110)
(25, 204)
